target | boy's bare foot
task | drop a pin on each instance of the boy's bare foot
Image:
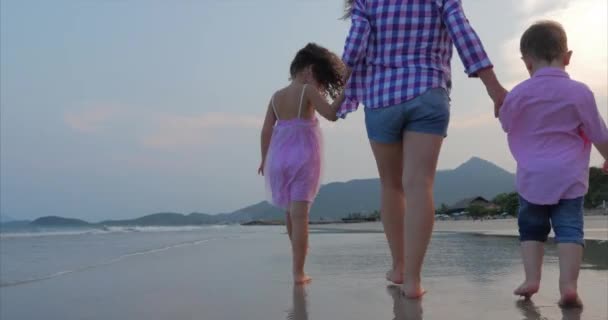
(394, 277)
(527, 289)
(412, 290)
(570, 299)
(302, 278)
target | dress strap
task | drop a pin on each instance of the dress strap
(274, 109)
(301, 99)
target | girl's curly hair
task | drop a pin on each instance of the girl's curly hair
(327, 68)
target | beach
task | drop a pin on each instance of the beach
(237, 272)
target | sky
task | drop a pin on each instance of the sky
(121, 108)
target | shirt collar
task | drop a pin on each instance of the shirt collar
(551, 72)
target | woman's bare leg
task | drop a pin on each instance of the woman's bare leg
(421, 152)
(389, 159)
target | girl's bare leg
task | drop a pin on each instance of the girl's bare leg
(299, 239)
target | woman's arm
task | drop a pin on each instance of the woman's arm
(471, 51)
(328, 111)
(495, 90)
(266, 135)
(358, 36)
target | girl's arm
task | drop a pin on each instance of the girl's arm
(269, 122)
(328, 111)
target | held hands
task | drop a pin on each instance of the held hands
(495, 90)
(498, 94)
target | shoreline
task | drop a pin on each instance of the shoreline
(596, 227)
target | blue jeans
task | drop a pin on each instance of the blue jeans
(566, 218)
(427, 113)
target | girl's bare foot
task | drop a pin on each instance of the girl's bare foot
(395, 277)
(570, 299)
(412, 290)
(527, 289)
(301, 278)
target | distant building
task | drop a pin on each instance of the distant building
(464, 204)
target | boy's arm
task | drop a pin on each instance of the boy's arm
(602, 147)
(266, 135)
(505, 113)
(593, 125)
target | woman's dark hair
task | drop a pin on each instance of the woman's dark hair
(348, 8)
(327, 68)
(544, 40)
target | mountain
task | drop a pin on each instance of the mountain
(165, 219)
(53, 221)
(259, 211)
(6, 219)
(476, 177)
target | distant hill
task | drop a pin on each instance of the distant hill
(5, 218)
(476, 177)
(156, 219)
(53, 221)
(473, 178)
(165, 219)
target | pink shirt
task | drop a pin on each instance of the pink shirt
(551, 122)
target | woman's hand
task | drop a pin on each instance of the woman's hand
(497, 93)
(605, 168)
(261, 169)
(495, 90)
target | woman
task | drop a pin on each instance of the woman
(398, 54)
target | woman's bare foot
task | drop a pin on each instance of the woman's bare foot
(570, 299)
(301, 278)
(412, 290)
(527, 289)
(394, 277)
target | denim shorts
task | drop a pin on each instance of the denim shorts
(566, 218)
(427, 113)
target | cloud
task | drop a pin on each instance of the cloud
(586, 23)
(539, 6)
(182, 131)
(90, 119)
(482, 120)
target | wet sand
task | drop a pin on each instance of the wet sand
(467, 276)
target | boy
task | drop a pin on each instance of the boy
(551, 122)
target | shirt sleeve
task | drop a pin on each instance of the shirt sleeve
(358, 36)
(592, 123)
(468, 44)
(353, 91)
(505, 113)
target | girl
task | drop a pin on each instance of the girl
(291, 141)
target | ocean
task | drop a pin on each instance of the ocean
(238, 272)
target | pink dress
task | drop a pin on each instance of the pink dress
(293, 162)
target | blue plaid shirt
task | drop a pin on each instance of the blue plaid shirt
(400, 49)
